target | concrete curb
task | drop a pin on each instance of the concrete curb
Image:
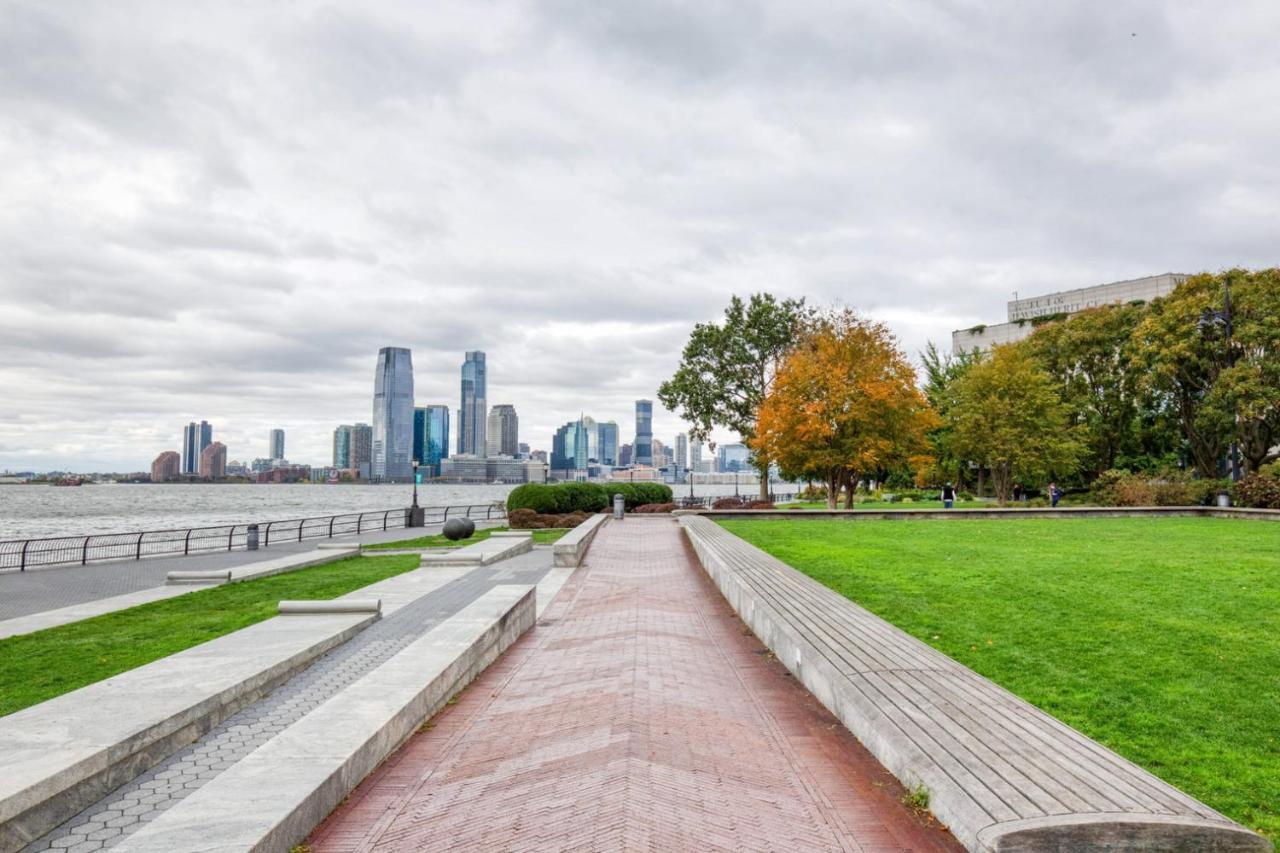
(482, 553)
(64, 754)
(33, 622)
(337, 605)
(993, 513)
(570, 549)
(308, 768)
(216, 576)
(1004, 776)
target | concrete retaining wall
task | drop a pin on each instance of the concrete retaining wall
(569, 549)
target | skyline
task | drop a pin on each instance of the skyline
(221, 215)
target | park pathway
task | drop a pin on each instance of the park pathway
(639, 715)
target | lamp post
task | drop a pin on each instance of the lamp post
(1210, 321)
(735, 483)
(417, 515)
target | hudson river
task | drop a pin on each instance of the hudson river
(29, 512)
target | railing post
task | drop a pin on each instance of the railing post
(22, 565)
(138, 554)
(384, 519)
(84, 552)
(332, 518)
(301, 524)
(186, 543)
(446, 512)
(359, 521)
(267, 540)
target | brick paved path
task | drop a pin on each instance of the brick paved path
(639, 715)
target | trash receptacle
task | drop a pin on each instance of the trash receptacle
(251, 537)
(619, 503)
(1224, 499)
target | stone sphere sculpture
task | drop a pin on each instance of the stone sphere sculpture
(458, 528)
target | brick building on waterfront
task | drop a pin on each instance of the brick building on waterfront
(166, 467)
(213, 461)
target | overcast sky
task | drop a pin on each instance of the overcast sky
(223, 210)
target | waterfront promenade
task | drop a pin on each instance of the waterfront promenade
(639, 714)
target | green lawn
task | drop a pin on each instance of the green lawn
(1158, 637)
(885, 505)
(39, 666)
(438, 540)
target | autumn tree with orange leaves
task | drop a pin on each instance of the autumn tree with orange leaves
(844, 405)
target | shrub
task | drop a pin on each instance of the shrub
(538, 497)
(655, 508)
(560, 498)
(759, 505)
(637, 494)
(964, 496)
(1260, 491)
(521, 518)
(1166, 488)
(727, 503)
(812, 492)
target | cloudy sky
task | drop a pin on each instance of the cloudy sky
(222, 210)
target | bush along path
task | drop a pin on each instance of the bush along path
(564, 498)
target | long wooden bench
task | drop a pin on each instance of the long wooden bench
(1002, 774)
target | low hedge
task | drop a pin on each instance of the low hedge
(561, 498)
(1259, 491)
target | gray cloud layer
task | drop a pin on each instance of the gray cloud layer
(221, 210)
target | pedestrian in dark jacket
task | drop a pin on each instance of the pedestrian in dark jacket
(948, 496)
(1055, 494)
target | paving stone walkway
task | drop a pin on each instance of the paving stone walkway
(123, 811)
(639, 715)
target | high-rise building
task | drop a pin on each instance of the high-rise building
(165, 467)
(608, 437)
(275, 444)
(682, 454)
(695, 455)
(624, 455)
(362, 449)
(471, 414)
(502, 431)
(662, 456)
(522, 450)
(431, 437)
(733, 457)
(392, 451)
(213, 461)
(342, 447)
(195, 438)
(642, 454)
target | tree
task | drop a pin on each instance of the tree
(844, 403)
(1251, 384)
(1006, 414)
(940, 373)
(727, 370)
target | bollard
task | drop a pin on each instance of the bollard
(251, 538)
(618, 505)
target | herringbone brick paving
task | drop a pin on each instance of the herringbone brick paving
(639, 715)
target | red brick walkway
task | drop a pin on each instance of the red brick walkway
(639, 715)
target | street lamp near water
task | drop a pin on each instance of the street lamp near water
(417, 515)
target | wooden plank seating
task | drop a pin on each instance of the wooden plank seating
(1002, 774)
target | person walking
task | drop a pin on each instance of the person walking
(1017, 491)
(948, 496)
(1055, 494)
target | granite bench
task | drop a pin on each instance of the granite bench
(569, 549)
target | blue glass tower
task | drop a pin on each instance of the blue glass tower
(430, 437)
(392, 456)
(642, 453)
(472, 413)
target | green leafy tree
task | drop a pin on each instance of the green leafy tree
(1251, 385)
(728, 368)
(1006, 414)
(940, 374)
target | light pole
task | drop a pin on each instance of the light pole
(1210, 320)
(417, 515)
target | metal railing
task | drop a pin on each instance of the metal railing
(22, 554)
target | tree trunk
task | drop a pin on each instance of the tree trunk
(762, 465)
(1002, 479)
(833, 488)
(850, 486)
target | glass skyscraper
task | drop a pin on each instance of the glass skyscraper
(195, 438)
(342, 446)
(393, 416)
(642, 452)
(608, 431)
(430, 437)
(275, 444)
(472, 414)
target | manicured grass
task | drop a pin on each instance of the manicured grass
(438, 540)
(885, 505)
(39, 666)
(1159, 637)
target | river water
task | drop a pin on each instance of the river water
(30, 512)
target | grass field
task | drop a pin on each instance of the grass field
(39, 666)
(438, 541)
(886, 505)
(1158, 637)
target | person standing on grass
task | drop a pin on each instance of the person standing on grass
(948, 496)
(1055, 494)
(1017, 491)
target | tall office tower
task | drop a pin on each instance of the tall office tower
(431, 437)
(682, 454)
(195, 438)
(503, 431)
(275, 444)
(643, 451)
(695, 455)
(661, 455)
(607, 432)
(733, 457)
(624, 455)
(342, 446)
(362, 448)
(213, 461)
(522, 450)
(471, 414)
(165, 467)
(562, 448)
(392, 452)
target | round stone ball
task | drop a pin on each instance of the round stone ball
(458, 528)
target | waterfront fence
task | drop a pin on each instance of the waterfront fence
(22, 554)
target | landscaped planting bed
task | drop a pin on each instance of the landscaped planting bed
(1159, 637)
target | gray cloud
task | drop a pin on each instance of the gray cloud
(222, 212)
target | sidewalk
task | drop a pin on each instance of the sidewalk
(640, 714)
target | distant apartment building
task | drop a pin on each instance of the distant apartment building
(538, 456)
(195, 438)
(695, 455)
(468, 468)
(166, 467)
(431, 437)
(642, 452)
(342, 446)
(523, 451)
(502, 432)
(624, 455)
(1025, 315)
(362, 449)
(392, 452)
(608, 442)
(471, 411)
(286, 474)
(732, 458)
(275, 444)
(213, 461)
(682, 454)
(662, 455)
